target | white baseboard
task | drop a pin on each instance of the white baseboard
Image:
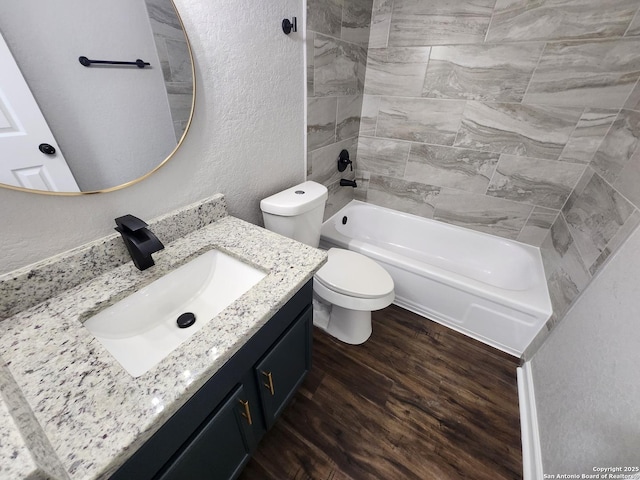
(531, 452)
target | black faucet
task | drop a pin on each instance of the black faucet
(139, 240)
(348, 183)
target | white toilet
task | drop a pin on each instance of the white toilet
(349, 286)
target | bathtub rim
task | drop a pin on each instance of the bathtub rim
(535, 300)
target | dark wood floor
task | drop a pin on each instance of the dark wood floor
(416, 401)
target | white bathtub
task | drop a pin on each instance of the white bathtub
(487, 287)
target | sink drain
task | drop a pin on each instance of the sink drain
(186, 320)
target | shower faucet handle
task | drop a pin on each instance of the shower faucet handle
(343, 161)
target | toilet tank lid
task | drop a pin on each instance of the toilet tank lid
(295, 200)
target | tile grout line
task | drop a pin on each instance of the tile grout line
(493, 13)
(602, 142)
(393, 4)
(495, 170)
(631, 22)
(525, 224)
(584, 110)
(533, 73)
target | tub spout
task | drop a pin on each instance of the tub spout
(348, 183)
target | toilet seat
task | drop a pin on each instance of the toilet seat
(351, 280)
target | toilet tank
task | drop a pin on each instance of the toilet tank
(296, 212)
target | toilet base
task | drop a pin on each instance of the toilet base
(348, 326)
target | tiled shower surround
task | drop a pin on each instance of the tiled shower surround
(337, 38)
(512, 117)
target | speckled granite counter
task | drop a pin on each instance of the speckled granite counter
(91, 413)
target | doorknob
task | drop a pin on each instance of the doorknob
(46, 149)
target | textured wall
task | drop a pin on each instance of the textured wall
(586, 374)
(337, 37)
(246, 139)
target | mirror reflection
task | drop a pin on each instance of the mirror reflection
(65, 127)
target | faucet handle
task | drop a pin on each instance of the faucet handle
(343, 161)
(130, 223)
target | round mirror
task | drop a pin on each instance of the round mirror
(72, 125)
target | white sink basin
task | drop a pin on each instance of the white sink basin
(141, 329)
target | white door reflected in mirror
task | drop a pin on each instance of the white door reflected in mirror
(22, 129)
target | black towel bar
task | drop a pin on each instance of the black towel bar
(87, 63)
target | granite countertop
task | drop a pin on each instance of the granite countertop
(81, 415)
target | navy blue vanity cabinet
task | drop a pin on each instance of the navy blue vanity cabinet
(282, 370)
(213, 435)
(221, 447)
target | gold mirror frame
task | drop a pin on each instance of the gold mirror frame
(162, 163)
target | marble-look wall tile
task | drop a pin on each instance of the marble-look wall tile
(516, 20)
(175, 62)
(362, 179)
(382, 156)
(463, 169)
(179, 61)
(566, 272)
(396, 71)
(380, 23)
(181, 88)
(588, 135)
(164, 20)
(335, 67)
(594, 213)
(163, 56)
(348, 117)
(360, 53)
(337, 38)
(545, 183)
(562, 292)
(593, 74)
(338, 197)
(369, 115)
(618, 146)
(321, 122)
(409, 197)
(481, 72)
(528, 130)
(536, 229)
(634, 26)
(356, 20)
(479, 212)
(325, 16)
(310, 45)
(421, 120)
(633, 101)
(439, 22)
(628, 182)
(324, 161)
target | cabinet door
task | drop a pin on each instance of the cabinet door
(222, 446)
(282, 370)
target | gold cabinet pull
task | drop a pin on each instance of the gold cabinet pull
(270, 379)
(247, 413)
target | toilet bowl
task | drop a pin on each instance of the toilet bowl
(349, 286)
